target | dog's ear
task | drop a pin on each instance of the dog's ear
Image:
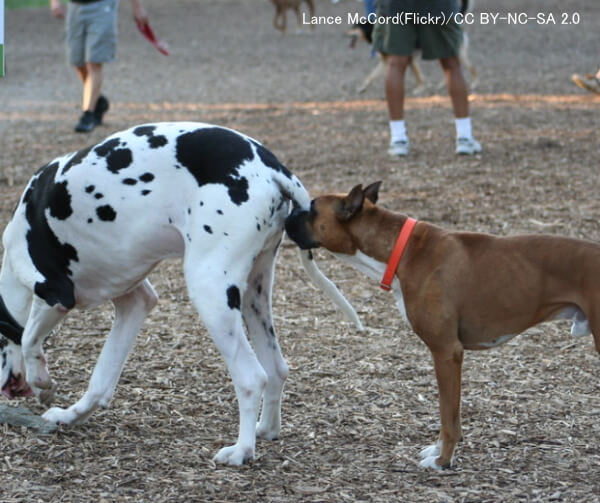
(351, 204)
(372, 192)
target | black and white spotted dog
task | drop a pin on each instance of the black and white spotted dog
(91, 226)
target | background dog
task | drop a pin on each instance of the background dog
(364, 32)
(281, 7)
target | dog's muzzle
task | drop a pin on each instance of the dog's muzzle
(297, 228)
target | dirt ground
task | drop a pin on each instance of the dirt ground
(358, 407)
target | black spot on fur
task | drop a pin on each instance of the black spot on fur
(116, 158)
(89, 220)
(208, 229)
(153, 141)
(214, 155)
(219, 212)
(147, 177)
(89, 189)
(233, 297)
(49, 256)
(9, 327)
(144, 130)
(76, 159)
(146, 192)
(98, 195)
(60, 201)
(269, 159)
(129, 181)
(157, 141)
(106, 213)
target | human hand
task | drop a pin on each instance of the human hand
(57, 9)
(139, 13)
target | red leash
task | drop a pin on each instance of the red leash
(397, 252)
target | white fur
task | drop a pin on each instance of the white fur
(223, 245)
(375, 269)
(497, 341)
(430, 454)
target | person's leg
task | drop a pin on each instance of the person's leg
(81, 73)
(397, 43)
(91, 86)
(394, 93)
(394, 85)
(457, 86)
(459, 96)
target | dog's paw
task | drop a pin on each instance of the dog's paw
(431, 451)
(267, 432)
(234, 455)
(429, 462)
(58, 415)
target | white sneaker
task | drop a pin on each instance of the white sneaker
(399, 148)
(467, 146)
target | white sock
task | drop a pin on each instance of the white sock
(398, 131)
(463, 128)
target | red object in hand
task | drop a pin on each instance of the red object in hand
(148, 33)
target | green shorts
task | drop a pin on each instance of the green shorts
(91, 32)
(434, 41)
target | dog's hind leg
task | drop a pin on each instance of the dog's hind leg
(130, 311)
(42, 319)
(279, 20)
(216, 292)
(256, 309)
(594, 325)
(311, 11)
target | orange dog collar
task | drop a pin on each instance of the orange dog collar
(397, 252)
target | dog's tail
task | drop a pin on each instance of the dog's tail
(325, 284)
(292, 188)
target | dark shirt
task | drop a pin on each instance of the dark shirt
(433, 7)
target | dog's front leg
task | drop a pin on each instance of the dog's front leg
(448, 366)
(375, 73)
(42, 319)
(130, 312)
(416, 70)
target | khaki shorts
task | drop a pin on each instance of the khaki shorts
(91, 32)
(434, 41)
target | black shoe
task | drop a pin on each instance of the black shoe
(86, 123)
(102, 106)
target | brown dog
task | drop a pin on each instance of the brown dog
(281, 6)
(458, 290)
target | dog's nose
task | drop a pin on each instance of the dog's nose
(297, 228)
(294, 221)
